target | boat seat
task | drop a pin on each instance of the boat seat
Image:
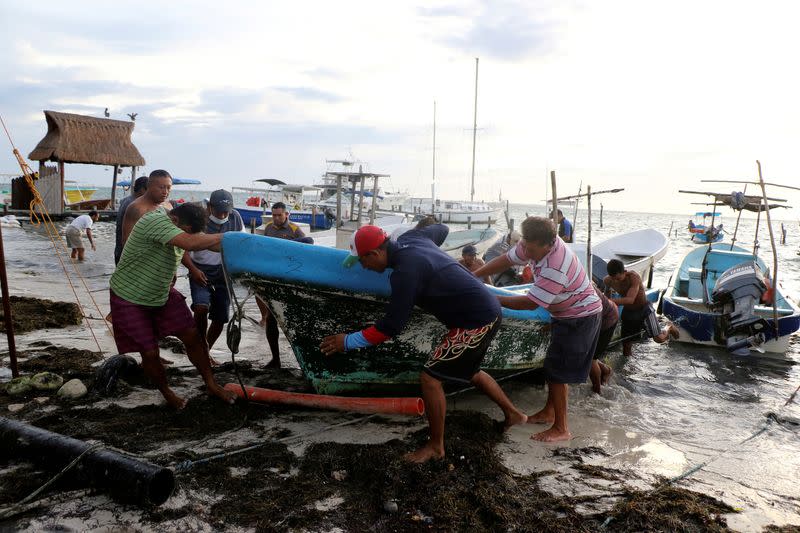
(695, 289)
(695, 273)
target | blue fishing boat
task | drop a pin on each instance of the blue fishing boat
(721, 295)
(703, 233)
(311, 295)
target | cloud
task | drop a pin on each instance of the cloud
(504, 30)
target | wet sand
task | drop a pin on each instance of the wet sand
(314, 474)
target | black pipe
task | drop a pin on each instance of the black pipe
(125, 478)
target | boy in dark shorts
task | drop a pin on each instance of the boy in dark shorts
(561, 286)
(637, 313)
(426, 276)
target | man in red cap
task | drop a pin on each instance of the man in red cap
(425, 276)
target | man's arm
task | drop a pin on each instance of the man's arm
(89, 236)
(517, 302)
(499, 264)
(197, 241)
(196, 274)
(630, 296)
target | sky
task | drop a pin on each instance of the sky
(651, 97)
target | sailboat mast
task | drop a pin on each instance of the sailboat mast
(433, 181)
(474, 133)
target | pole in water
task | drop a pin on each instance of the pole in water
(601, 215)
(12, 348)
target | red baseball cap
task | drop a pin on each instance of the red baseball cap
(365, 239)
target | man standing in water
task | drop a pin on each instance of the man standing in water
(73, 233)
(145, 305)
(561, 286)
(637, 313)
(424, 275)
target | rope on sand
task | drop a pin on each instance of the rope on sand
(21, 507)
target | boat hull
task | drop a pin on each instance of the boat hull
(306, 314)
(312, 295)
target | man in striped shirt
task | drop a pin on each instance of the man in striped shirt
(561, 286)
(146, 306)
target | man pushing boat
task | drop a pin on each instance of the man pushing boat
(425, 276)
(145, 304)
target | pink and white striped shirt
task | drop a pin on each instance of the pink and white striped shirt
(560, 283)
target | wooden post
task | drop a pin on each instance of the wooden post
(360, 199)
(774, 251)
(469, 222)
(554, 214)
(601, 215)
(374, 199)
(589, 233)
(63, 195)
(783, 234)
(12, 348)
(114, 186)
(338, 202)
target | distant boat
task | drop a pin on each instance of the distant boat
(298, 200)
(74, 193)
(701, 232)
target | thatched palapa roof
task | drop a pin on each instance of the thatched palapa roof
(82, 139)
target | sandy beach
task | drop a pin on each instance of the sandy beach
(329, 471)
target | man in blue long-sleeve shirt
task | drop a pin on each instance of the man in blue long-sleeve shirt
(423, 275)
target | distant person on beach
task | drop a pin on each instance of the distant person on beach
(159, 185)
(564, 227)
(637, 312)
(280, 228)
(471, 261)
(509, 276)
(139, 187)
(210, 298)
(73, 234)
(601, 372)
(146, 306)
(423, 275)
(561, 286)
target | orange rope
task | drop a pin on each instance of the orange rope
(43, 217)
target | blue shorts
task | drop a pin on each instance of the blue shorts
(213, 296)
(572, 345)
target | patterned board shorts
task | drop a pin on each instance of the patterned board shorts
(460, 354)
(635, 320)
(137, 328)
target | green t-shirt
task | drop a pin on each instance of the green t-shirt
(148, 264)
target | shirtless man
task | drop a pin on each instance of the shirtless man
(159, 184)
(637, 312)
(470, 260)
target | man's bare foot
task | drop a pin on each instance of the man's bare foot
(552, 435)
(545, 416)
(605, 373)
(175, 401)
(274, 363)
(516, 418)
(673, 331)
(108, 317)
(596, 386)
(223, 394)
(424, 454)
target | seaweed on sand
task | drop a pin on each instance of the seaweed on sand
(34, 313)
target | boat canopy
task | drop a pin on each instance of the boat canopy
(707, 214)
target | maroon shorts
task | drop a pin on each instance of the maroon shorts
(137, 328)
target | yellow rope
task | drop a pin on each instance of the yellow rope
(43, 218)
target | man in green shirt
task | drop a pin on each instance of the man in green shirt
(145, 305)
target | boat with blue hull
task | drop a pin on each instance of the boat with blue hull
(311, 295)
(720, 296)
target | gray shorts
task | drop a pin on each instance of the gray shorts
(572, 344)
(74, 237)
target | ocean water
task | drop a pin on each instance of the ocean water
(693, 404)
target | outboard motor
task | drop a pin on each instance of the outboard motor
(735, 296)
